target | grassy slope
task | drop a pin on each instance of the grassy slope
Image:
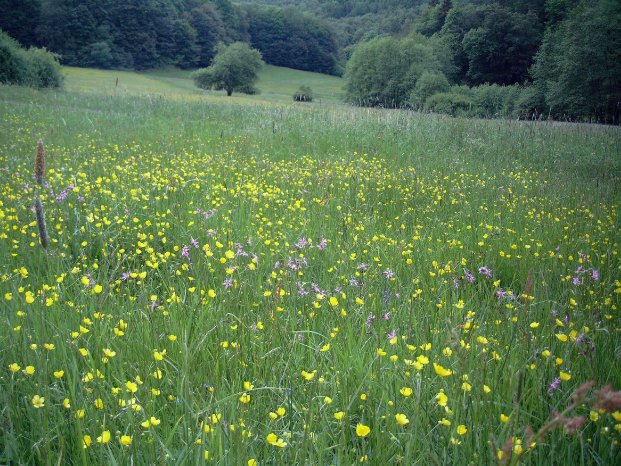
(276, 84)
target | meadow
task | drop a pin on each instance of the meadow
(249, 281)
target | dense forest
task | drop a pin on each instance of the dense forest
(142, 34)
(358, 21)
(525, 58)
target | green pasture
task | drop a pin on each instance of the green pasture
(275, 84)
(250, 281)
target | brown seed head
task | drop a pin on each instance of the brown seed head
(39, 167)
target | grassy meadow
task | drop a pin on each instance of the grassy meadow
(276, 84)
(249, 281)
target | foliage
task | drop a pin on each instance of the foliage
(451, 103)
(234, 68)
(209, 28)
(143, 34)
(289, 38)
(303, 94)
(384, 71)
(19, 19)
(493, 100)
(357, 21)
(502, 48)
(429, 83)
(33, 67)
(432, 18)
(485, 101)
(578, 67)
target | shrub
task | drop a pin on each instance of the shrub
(11, 61)
(303, 94)
(452, 103)
(383, 72)
(492, 101)
(42, 68)
(429, 83)
(33, 67)
(530, 104)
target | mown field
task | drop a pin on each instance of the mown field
(247, 281)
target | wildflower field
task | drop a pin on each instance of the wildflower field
(237, 283)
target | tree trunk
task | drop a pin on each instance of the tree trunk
(229, 92)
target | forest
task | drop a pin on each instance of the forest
(556, 59)
(145, 34)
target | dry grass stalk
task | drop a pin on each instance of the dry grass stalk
(38, 205)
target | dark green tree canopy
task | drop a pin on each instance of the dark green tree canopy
(578, 68)
(141, 34)
(234, 68)
(502, 49)
(289, 38)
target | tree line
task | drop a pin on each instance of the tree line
(556, 59)
(143, 34)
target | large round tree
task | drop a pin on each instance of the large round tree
(234, 68)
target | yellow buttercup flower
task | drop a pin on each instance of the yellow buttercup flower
(38, 401)
(273, 439)
(441, 371)
(362, 430)
(309, 375)
(401, 419)
(104, 437)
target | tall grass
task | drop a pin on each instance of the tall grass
(257, 282)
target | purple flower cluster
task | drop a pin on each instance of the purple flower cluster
(581, 273)
(63, 194)
(206, 213)
(185, 252)
(554, 386)
(295, 264)
(302, 243)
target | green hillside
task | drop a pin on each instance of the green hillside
(275, 84)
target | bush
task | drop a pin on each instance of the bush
(530, 104)
(492, 101)
(452, 103)
(11, 61)
(43, 69)
(33, 67)
(384, 71)
(428, 84)
(303, 94)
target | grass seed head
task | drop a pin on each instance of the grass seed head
(39, 166)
